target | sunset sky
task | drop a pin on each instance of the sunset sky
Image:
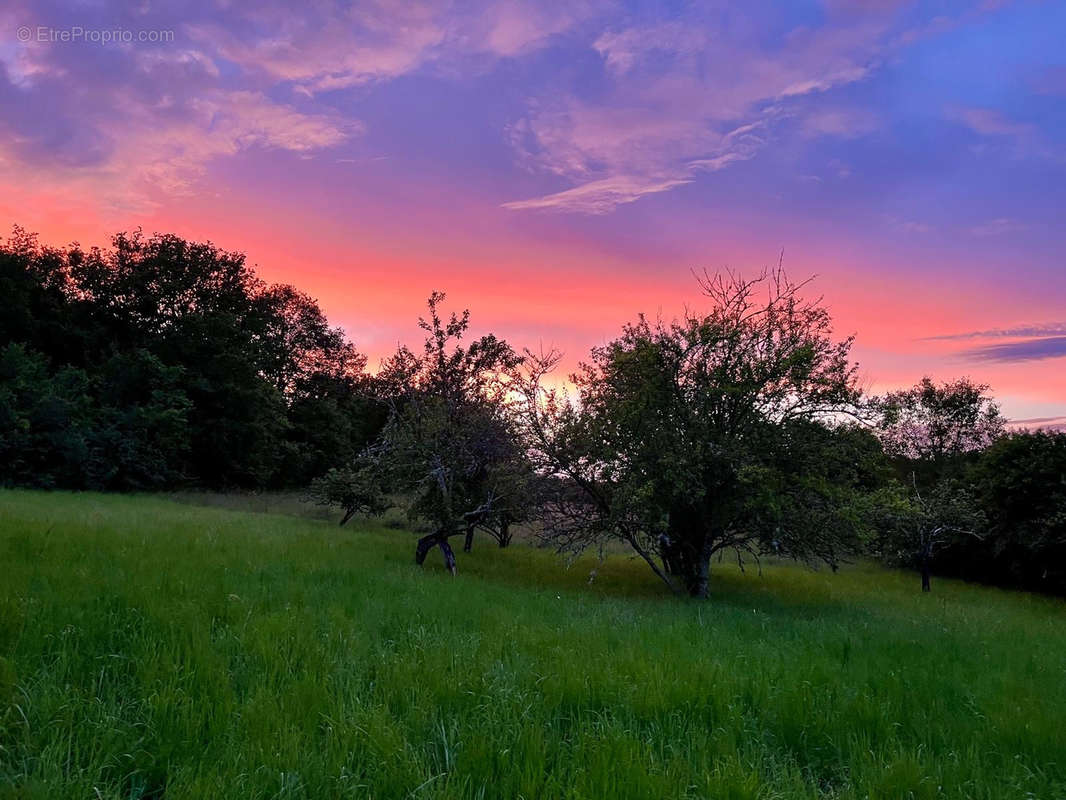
(560, 167)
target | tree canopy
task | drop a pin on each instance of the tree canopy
(705, 434)
(449, 441)
(933, 431)
(159, 362)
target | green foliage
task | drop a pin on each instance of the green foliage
(810, 497)
(329, 424)
(1020, 486)
(161, 363)
(933, 431)
(148, 648)
(138, 435)
(199, 307)
(914, 525)
(703, 435)
(34, 285)
(44, 420)
(123, 428)
(358, 488)
(449, 441)
(937, 424)
(193, 369)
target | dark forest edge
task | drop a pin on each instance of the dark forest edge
(158, 363)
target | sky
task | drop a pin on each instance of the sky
(559, 168)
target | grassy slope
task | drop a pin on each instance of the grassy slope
(148, 645)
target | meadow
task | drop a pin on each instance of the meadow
(152, 648)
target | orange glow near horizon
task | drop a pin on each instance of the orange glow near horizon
(563, 175)
(377, 296)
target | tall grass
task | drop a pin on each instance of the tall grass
(149, 648)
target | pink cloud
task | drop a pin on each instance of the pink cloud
(685, 97)
(600, 196)
(989, 122)
(338, 46)
(153, 153)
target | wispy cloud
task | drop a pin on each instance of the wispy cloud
(694, 94)
(131, 157)
(334, 45)
(990, 122)
(908, 225)
(998, 227)
(1015, 332)
(845, 123)
(1027, 350)
(1020, 139)
(127, 124)
(601, 196)
(631, 143)
(1032, 342)
(1039, 421)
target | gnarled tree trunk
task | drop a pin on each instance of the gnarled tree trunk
(449, 556)
(439, 539)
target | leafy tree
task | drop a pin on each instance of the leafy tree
(155, 288)
(695, 437)
(333, 411)
(138, 435)
(915, 525)
(449, 441)
(298, 348)
(44, 421)
(931, 430)
(330, 424)
(121, 428)
(359, 488)
(935, 424)
(42, 309)
(263, 390)
(196, 306)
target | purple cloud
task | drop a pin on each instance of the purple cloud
(1027, 350)
(1048, 329)
(687, 96)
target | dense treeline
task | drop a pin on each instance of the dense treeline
(158, 362)
(741, 430)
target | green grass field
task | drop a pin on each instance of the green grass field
(150, 648)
